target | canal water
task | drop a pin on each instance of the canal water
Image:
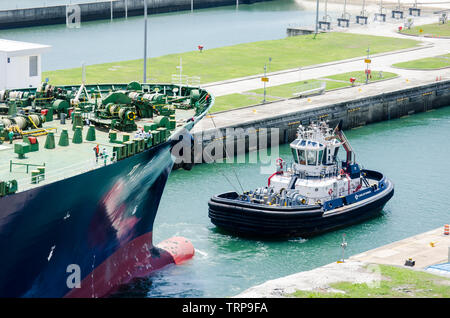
(122, 39)
(412, 151)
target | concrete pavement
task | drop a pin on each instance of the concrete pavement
(425, 249)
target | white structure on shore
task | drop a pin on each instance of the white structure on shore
(20, 64)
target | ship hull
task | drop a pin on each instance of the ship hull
(96, 225)
(257, 220)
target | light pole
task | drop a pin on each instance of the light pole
(317, 18)
(367, 64)
(145, 41)
(180, 67)
(265, 79)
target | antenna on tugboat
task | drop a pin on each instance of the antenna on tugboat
(226, 154)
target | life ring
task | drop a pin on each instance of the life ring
(342, 172)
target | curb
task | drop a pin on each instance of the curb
(420, 69)
(425, 36)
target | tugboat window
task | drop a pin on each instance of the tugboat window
(294, 153)
(320, 156)
(301, 157)
(311, 156)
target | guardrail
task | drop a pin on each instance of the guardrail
(62, 173)
(310, 89)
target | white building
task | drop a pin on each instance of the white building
(20, 64)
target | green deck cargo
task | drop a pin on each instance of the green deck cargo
(164, 133)
(150, 127)
(120, 151)
(156, 137)
(162, 121)
(21, 148)
(130, 148)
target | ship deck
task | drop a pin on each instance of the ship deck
(63, 162)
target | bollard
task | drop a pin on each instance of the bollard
(78, 135)
(91, 133)
(410, 262)
(64, 138)
(77, 119)
(50, 141)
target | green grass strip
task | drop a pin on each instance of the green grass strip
(429, 63)
(397, 283)
(433, 30)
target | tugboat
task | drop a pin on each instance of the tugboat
(314, 194)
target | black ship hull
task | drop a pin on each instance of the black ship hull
(97, 225)
(259, 220)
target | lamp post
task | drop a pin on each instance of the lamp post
(367, 64)
(145, 41)
(265, 79)
(317, 18)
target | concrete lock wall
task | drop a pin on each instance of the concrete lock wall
(16, 18)
(354, 113)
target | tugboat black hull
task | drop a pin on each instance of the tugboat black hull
(258, 220)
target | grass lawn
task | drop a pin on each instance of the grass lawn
(428, 63)
(398, 282)
(433, 29)
(238, 60)
(273, 93)
(232, 101)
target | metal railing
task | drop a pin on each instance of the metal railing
(310, 89)
(63, 172)
(193, 81)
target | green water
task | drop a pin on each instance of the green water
(412, 151)
(105, 41)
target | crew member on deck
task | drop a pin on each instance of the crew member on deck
(96, 150)
(11, 136)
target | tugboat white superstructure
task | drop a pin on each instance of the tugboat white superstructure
(316, 193)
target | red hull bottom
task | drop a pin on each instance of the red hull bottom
(136, 259)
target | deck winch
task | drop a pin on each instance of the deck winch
(116, 106)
